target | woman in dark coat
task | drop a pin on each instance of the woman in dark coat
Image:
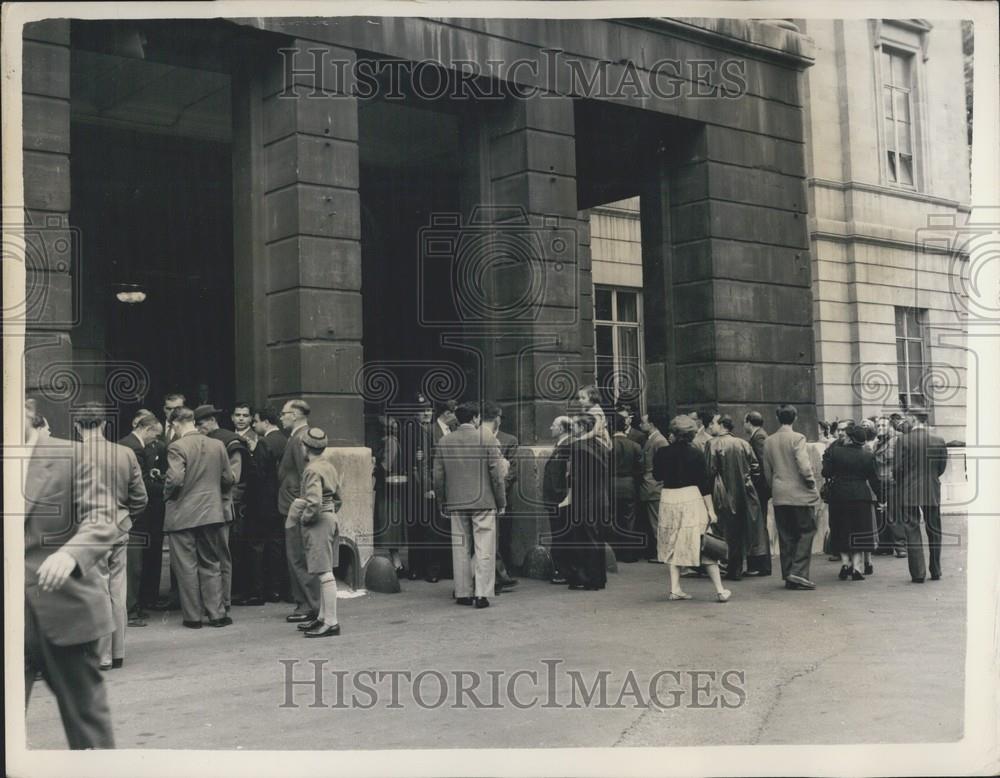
(850, 471)
(588, 507)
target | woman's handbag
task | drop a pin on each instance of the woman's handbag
(714, 546)
(824, 490)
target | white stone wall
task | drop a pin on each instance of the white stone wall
(867, 235)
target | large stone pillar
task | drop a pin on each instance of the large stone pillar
(51, 248)
(726, 263)
(539, 354)
(297, 222)
(309, 220)
(539, 350)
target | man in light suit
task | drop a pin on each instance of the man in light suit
(68, 526)
(198, 475)
(469, 477)
(921, 458)
(119, 469)
(305, 587)
(792, 484)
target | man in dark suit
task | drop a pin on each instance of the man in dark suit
(68, 527)
(145, 545)
(921, 458)
(626, 474)
(198, 477)
(492, 419)
(305, 587)
(759, 543)
(469, 477)
(554, 488)
(267, 525)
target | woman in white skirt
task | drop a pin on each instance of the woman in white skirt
(686, 508)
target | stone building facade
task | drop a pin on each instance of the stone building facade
(293, 235)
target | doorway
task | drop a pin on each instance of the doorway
(152, 200)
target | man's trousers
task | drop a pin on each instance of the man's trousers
(196, 556)
(796, 528)
(74, 678)
(305, 586)
(473, 552)
(650, 525)
(151, 547)
(915, 541)
(113, 570)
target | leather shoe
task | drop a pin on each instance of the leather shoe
(273, 597)
(116, 664)
(136, 621)
(432, 579)
(104, 666)
(192, 624)
(918, 580)
(935, 577)
(323, 631)
(292, 618)
(799, 582)
(506, 582)
(253, 601)
(482, 602)
(225, 621)
(309, 625)
(165, 605)
(558, 579)
(463, 601)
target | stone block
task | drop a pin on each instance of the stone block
(538, 193)
(320, 211)
(45, 124)
(45, 69)
(311, 314)
(355, 517)
(328, 263)
(310, 160)
(46, 181)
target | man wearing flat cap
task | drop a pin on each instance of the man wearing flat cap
(315, 512)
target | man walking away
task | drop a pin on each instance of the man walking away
(119, 469)
(68, 526)
(792, 484)
(469, 480)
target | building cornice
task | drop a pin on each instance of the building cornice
(906, 194)
(776, 41)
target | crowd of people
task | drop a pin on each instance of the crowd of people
(250, 514)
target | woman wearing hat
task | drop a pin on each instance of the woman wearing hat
(853, 482)
(686, 507)
(316, 512)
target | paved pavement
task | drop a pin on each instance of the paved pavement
(853, 662)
